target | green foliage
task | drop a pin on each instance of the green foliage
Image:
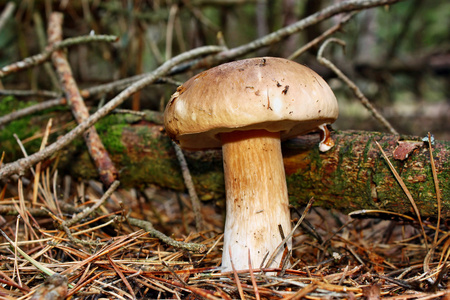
(438, 23)
(428, 27)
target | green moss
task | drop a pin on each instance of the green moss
(208, 177)
(372, 176)
(110, 129)
(144, 169)
(23, 128)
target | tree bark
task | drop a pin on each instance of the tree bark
(351, 176)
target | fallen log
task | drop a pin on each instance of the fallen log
(351, 176)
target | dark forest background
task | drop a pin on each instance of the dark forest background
(398, 55)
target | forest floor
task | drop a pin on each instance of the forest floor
(105, 254)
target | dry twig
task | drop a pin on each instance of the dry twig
(97, 151)
(352, 85)
(44, 56)
(196, 204)
(66, 224)
(323, 36)
(283, 242)
(31, 109)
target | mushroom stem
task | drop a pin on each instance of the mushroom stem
(257, 200)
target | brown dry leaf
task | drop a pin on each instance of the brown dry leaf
(405, 148)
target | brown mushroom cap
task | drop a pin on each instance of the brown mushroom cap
(268, 93)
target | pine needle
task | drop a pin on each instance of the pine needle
(406, 191)
(436, 186)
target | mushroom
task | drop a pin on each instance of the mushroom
(247, 107)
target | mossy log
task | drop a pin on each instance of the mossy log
(351, 176)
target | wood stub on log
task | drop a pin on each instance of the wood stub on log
(351, 176)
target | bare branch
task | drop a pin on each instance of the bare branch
(323, 36)
(31, 109)
(196, 204)
(30, 93)
(105, 167)
(147, 226)
(44, 56)
(353, 86)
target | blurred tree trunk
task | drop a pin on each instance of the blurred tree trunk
(311, 7)
(368, 39)
(262, 26)
(290, 17)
